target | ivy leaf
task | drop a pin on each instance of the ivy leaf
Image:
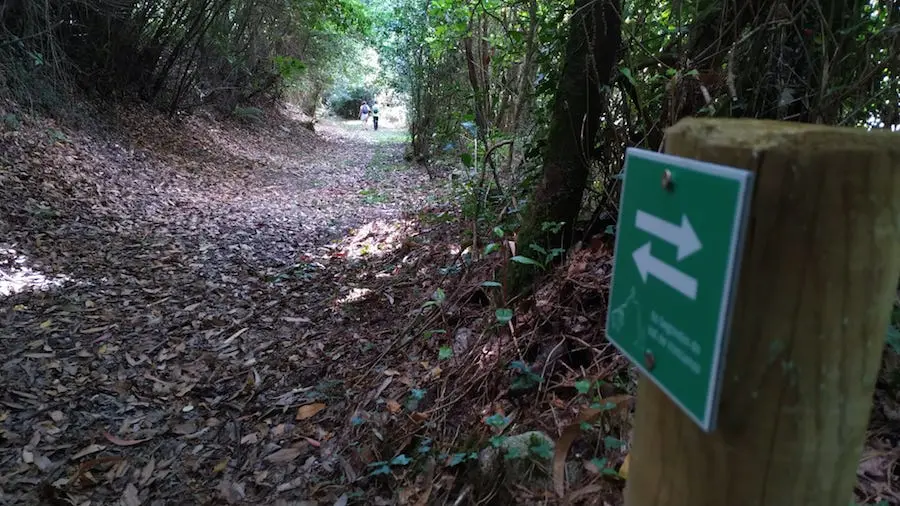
(490, 248)
(400, 460)
(491, 284)
(456, 459)
(525, 260)
(445, 352)
(467, 159)
(627, 73)
(498, 231)
(497, 441)
(384, 469)
(606, 406)
(613, 443)
(497, 420)
(542, 449)
(503, 315)
(538, 248)
(512, 453)
(583, 386)
(518, 365)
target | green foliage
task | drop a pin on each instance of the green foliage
(415, 397)
(248, 114)
(893, 338)
(461, 457)
(424, 446)
(497, 421)
(445, 352)
(345, 102)
(373, 196)
(503, 315)
(384, 467)
(288, 67)
(583, 386)
(428, 334)
(540, 447)
(612, 443)
(601, 464)
(526, 260)
(176, 53)
(526, 379)
(11, 122)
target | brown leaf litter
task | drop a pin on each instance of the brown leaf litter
(202, 312)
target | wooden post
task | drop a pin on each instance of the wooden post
(819, 273)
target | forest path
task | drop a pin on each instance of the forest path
(174, 305)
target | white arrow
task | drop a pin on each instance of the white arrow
(649, 265)
(683, 237)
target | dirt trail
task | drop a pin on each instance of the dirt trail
(170, 306)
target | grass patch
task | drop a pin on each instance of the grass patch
(373, 196)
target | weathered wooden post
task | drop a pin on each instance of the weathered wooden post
(818, 273)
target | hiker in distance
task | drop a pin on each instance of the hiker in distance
(375, 115)
(364, 115)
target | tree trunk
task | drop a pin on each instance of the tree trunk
(591, 52)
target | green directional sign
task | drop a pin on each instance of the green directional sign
(678, 245)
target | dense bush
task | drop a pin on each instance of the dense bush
(175, 53)
(345, 102)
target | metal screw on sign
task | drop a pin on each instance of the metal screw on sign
(649, 360)
(667, 180)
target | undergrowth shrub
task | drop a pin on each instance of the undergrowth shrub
(248, 114)
(177, 54)
(345, 102)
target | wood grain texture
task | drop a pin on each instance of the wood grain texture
(818, 277)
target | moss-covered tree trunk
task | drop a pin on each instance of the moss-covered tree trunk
(591, 54)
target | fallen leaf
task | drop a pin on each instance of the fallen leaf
(296, 482)
(221, 466)
(284, 455)
(623, 469)
(42, 462)
(57, 416)
(250, 439)
(291, 319)
(393, 406)
(185, 428)
(27, 456)
(309, 410)
(94, 448)
(147, 471)
(130, 496)
(419, 417)
(123, 442)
